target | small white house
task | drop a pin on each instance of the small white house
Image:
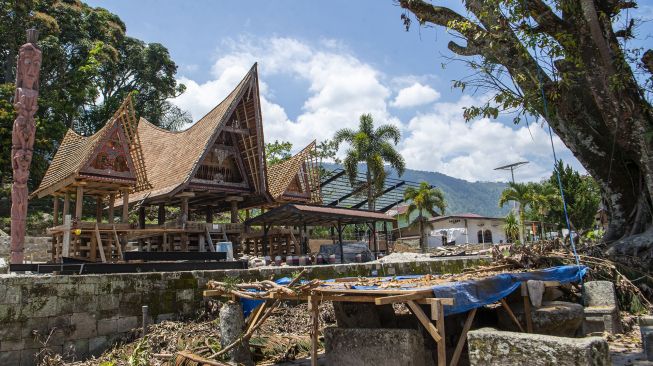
(464, 229)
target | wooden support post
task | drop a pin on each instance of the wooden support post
(314, 308)
(141, 217)
(65, 251)
(266, 229)
(66, 205)
(424, 320)
(98, 209)
(79, 201)
(125, 206)
(112, 205)
(234, 207)
(442, 346)
(527, 307)
(55, 212)
(511, 314)
(118, 244)
(463, 338)
(342, 251)
(209, 215)
(98, 238)
(93, 248)
(184, 211)
(161, 216)
(201, 242)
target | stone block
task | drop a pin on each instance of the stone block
(10, 295)
(488, 346)
(41, 307)
(11, 330)
(84, 325)
(34, 326)
(107, 326)
(379, 347)
(599, 293)
(185, 295)
(556, 318)
(77, 347)
(97, 345)
(10, 358)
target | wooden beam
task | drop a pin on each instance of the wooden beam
(463, 338)
(98, 209)
(419, 313)
(112, 205)
(66, 205)
(125, 206)
(65, 251)
(98, 238)
(79, 201)
(55, 212)
(442, 346)
(118, 244)
(511, 314)
(400, 298)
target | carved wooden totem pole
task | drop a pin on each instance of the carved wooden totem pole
(22, 138)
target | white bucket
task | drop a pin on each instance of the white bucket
(226, 246)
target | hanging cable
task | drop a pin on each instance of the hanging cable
(545, 107)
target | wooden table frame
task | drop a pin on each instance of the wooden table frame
(412, 298)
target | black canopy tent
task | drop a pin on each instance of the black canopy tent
(308, 215)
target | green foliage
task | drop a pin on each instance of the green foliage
(424, 198)
(89, 66)
(276, 152)
(582, 195)
(141, 355)
(372, 147)
(511, 227)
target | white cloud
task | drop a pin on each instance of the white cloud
(341, 87)
(415, 95)
(441, 140)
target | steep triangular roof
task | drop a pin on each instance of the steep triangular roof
(172, 157)
(74, 158)
(299, 168)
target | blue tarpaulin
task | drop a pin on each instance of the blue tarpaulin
(472, 294)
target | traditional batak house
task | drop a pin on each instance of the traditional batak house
(216, 165)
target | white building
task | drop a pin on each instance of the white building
(464, 229)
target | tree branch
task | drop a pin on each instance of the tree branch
(548, 21)
(647, 60)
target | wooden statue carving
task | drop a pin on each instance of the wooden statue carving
(22, 138)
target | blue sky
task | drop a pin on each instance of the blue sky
(322, 64)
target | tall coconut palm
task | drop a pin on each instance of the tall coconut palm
(522, 193)
(424, 198)
(372, 147)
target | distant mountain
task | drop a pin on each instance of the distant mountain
(462, 196)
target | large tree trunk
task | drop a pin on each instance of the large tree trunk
(595, 105)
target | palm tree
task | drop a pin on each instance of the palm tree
(544, 198)
(424, 198)
(511, 227)
(521, 193)
(372, 147)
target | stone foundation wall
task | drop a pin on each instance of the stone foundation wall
(84, 315)
(36, 248)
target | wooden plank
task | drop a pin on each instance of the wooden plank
(374, 292)
(118, 244)
(442, 346)
(399, 298)
(65, 252)
(463, 338)
(511, 314)
(208, 239)
(314, 308)
(201, 243)
(419, 313)
(98, 238)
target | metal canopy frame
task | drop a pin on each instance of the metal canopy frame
(338, 191)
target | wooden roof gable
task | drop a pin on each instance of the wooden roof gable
(296, 179)
(111, 155)
(173, 158)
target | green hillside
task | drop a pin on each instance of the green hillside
(462, 196)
